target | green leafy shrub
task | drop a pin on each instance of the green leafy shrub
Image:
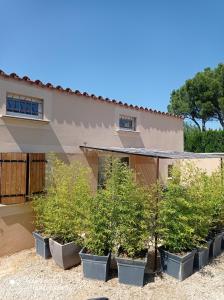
(38, 205)
(99, 235)
(62, 212)
(118, 216)
(184, 212)
(214, 189)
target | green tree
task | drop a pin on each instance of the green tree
(203, 141)
(201, 98)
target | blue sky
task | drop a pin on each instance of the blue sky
(130, 50)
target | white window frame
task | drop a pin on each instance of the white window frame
(127, 117)
(28, 99)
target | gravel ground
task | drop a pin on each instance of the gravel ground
(27, 276)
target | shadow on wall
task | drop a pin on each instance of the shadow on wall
(90, 113)
(131, 139)
(145, 169)
(35, 138)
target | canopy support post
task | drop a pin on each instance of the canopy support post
(156, 216)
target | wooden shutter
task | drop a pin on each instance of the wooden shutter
(36, 173)
(13, 177)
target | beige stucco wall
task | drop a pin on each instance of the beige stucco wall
(78, 120)
(209, 165)
(71, 121)
(16, 226)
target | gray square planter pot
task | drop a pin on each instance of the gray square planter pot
(131, 271)
(94, 266)
(222, 246)
(42, 245)
(67, 255)
(177, 266)
(216, 245)
(201, 258)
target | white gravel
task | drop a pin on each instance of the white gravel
(27, 276)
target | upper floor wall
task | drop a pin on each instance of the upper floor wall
(71, 120)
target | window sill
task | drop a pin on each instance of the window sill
(120, 130)
(25, 119)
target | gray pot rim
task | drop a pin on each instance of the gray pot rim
(176, 257)
(93, 257)
(205, 246)
(132, 262)
(56, 242)
(38, 235)
(218, 235)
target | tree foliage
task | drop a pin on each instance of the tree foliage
(201, 98)
(203, 141)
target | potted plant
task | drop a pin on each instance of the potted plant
(183, 222)
(129, 220)
(202, 255)
(41, 240)
(216, 195)
(131, 234)
(96, 254)
(64, 214)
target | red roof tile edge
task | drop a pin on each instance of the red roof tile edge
(48, 85)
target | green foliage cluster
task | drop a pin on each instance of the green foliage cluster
(119, 214)
(123, 216)
(190, 209)
(214, 193)
(62, 212)
(201, 98)
(203, 141)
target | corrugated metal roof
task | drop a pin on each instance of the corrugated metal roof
(157, 153)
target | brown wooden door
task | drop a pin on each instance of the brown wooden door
(36, 173)
(13, 177)
(21, 176)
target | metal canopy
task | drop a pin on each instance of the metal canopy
(156, 153)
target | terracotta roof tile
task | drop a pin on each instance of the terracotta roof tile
(48, 85)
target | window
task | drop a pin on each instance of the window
(170, 171)
(24, 106)
(102, 169)
(127, 123)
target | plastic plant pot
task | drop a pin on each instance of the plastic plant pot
(131, 271)
(95, 266)
(201, 258)
(65, 255)
(179, 267)
(216, 245)
(42, 245)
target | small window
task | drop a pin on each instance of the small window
(24, 106)
(170, 171)
(101, 171)
(102, 161)
(127, 123)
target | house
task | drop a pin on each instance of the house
(38, 118)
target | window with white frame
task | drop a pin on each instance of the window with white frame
(24, 106)
(127, 122)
